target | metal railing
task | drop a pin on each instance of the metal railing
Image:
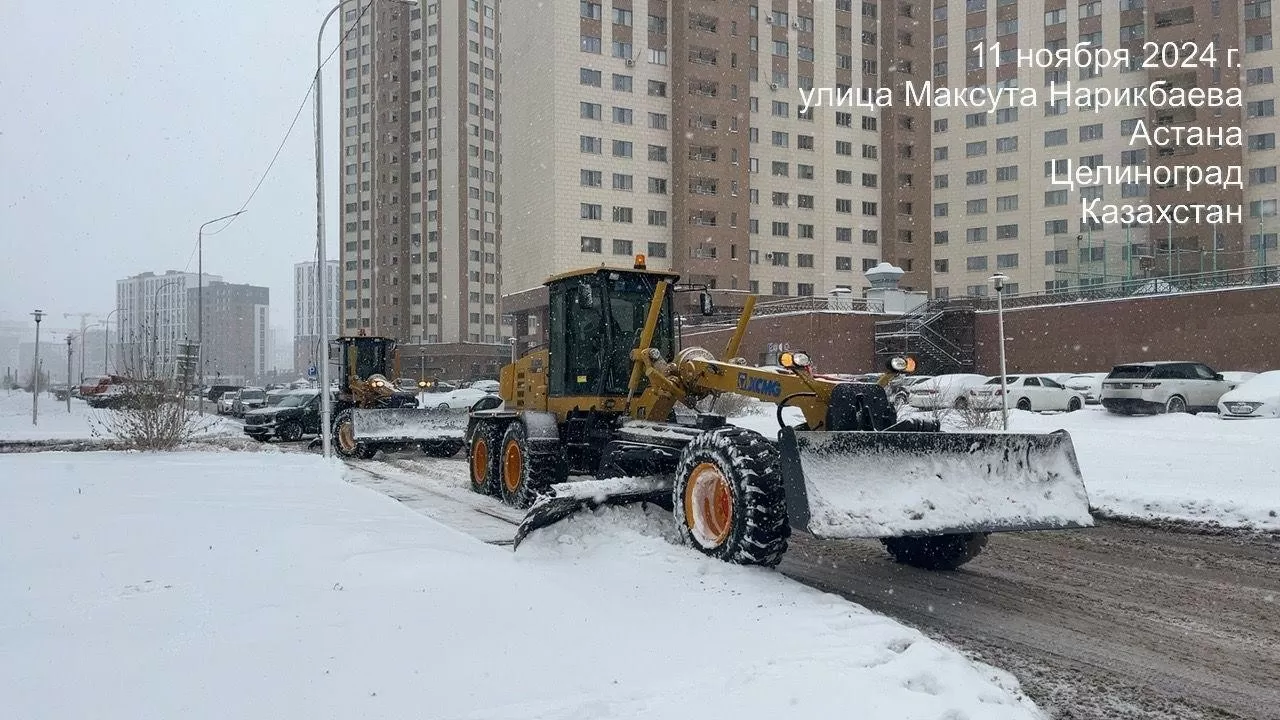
(1143, 287)
(806, 303)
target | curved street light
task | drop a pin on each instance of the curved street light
(155, 322)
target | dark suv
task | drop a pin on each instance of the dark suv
(297, 414)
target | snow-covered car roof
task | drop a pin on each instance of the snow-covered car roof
(1263, 386)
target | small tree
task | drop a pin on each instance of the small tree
(971, 417)
(149, 411)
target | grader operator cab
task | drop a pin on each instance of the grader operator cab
(599, 402)
(371, 413)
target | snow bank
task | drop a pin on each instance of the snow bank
(82, 423)
(1197, 468)
(262, 585)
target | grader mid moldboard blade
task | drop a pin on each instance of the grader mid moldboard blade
(407, 425)
(567, 499)
(893, 484)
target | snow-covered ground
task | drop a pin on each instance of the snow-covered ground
(1200, 468)
(82, 423)
(262, 585)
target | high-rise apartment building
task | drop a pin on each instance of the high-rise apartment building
(677, 130)
(419, 181)
(154, 318)
(1000, 197)
(237, 331)
(306, 320)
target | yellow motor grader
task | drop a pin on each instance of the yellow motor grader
(590, 420)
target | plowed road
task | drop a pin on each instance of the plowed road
(1115, 622)
(1112, 622)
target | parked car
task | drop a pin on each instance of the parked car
(226, 401)
(489, 386)
(899, 389)
(1089, 385)
(98, 383)
(297, 414)
(275, 396)
(944, 391)
(216, 391)
(250, 398)
(1026, 392)
(460, 399)
(1162, 387)
(1259, 396)
(1237, 378)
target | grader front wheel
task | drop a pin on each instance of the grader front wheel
(728, 498)
(527, 467)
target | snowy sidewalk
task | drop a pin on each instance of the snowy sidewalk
(260, 585)
(83, 423)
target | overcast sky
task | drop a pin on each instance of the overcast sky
(125, 124)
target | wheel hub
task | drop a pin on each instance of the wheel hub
(708, 505)
(479, 462)
(512, 465)
(347, 436)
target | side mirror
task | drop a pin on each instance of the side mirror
(1218, 376)
(706, 304)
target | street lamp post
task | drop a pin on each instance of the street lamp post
(200, 296)
(999, 279)
(155, 325)
(69, 373)
(106, 339)
(35, 387)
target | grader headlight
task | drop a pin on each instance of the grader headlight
(905, 364)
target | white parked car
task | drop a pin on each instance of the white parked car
(1089, 385)
(1026, 392)
(227, 401)
(1160, 387)
(944, 391)
(899, 390)
(1237, 378)
(1259, 396)
(460, 399)
(489, 386)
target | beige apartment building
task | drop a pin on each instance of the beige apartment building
(995, 205)
(420, 226)
(675, 129)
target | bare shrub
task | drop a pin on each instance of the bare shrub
(727, 404)
(970, 417)
(147, 416)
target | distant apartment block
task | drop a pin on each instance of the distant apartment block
(236, 330)
(306, 322)
(153, 317)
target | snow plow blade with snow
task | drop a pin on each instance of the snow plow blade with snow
(380, 426)
(571, 498)
(853, 484)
